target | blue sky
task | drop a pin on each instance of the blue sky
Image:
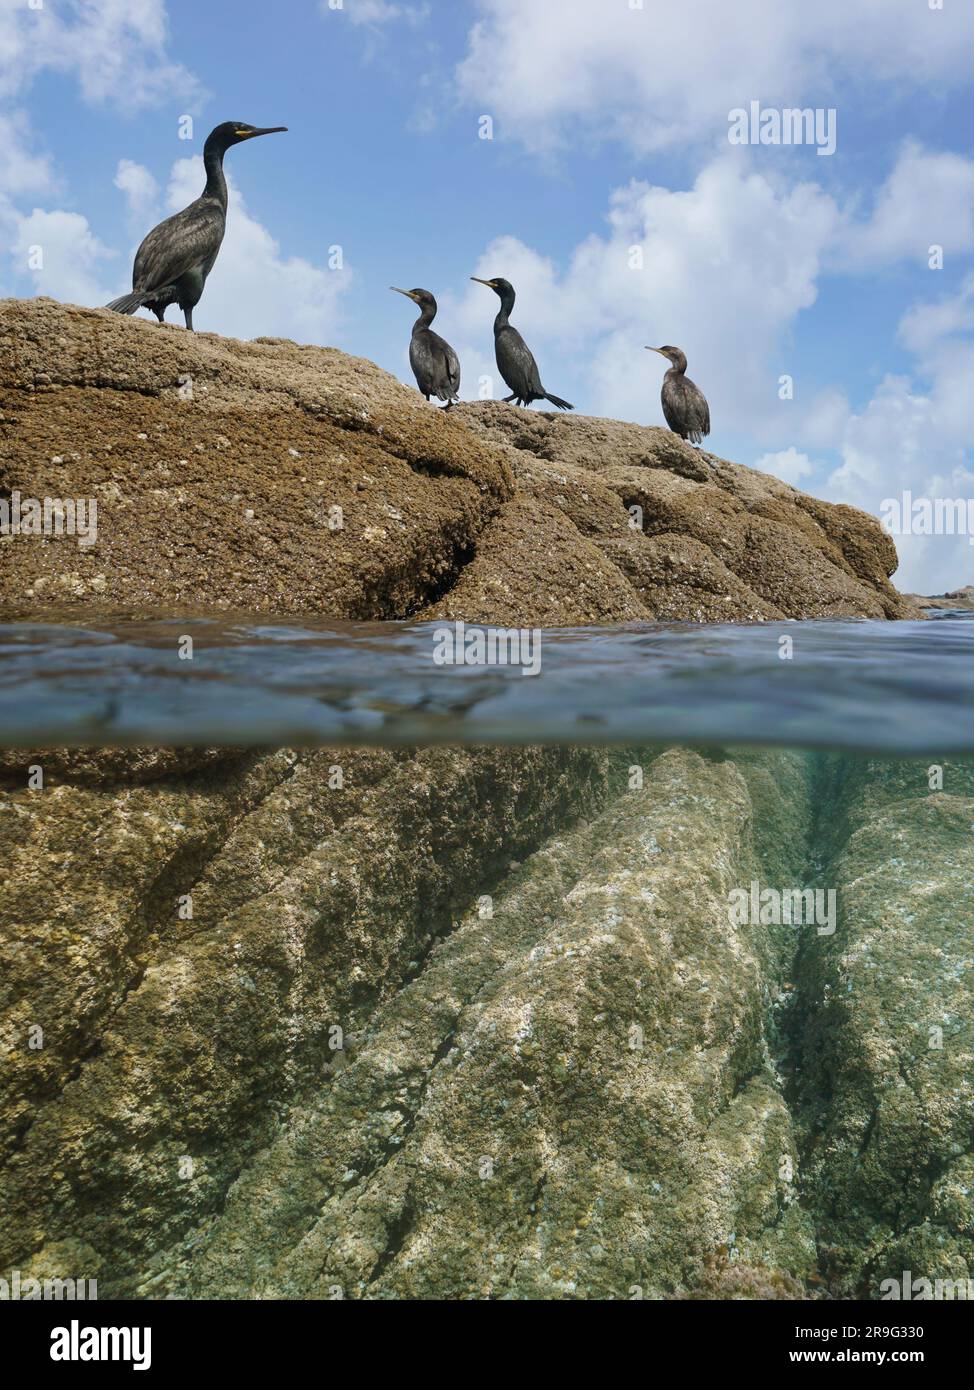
(610, 130)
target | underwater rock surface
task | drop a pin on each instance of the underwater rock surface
(478, 1024)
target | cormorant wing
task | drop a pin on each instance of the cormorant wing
(698, 410)
(516, 363)
(685, 407)
(452, 366)
(185, 240)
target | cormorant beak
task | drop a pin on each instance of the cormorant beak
(407, 293)
(268, 130)
(659, 350)
(489, 283)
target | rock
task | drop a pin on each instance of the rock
(563, 1102)
(172, 1045)
(887, 1055)
(267, 476)
(958, 598)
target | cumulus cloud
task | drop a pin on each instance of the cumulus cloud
(23, 171)
(925, 326)
(787, 464)
(658, 75)
(115, 49)
(59, 254)
(721, 269)
(140, 189)
(896, 445)
(927, 201)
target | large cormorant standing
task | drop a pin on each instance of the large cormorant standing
(684, 404)
(174, 260)
(435, 365)
(515, 361)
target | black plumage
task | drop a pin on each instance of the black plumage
(435, 365)
(174, 260)
(685, 406)
(515, 360)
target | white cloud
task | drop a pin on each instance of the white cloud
(726, 267)
(23, 172)
(895, 445)
(663, 74)
(788, 464)
(926, 325)
(116, 50)
(72, 259)
(928, 200)
(140, 189)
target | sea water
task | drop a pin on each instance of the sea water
(897, 688)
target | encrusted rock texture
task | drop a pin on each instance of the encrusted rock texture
(267, 476)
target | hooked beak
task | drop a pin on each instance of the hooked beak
(407, 293)
(659, 350)
(268, 130)
(488, 283)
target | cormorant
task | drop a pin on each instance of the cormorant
(434, 363)
(174, 260)
(684, 404)
(515, 361)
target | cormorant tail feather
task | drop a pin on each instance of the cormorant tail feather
(129, 302)
(557, 400)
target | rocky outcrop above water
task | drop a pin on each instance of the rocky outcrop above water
(956, 599)
(273, 477)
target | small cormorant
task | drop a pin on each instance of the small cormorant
(434, 363)
(684, 404)
(515, 361)
(174, 260)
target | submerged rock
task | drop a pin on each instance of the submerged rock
(887, 1055)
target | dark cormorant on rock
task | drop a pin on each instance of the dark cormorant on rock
(684, 404)
(174, 260)
(515, 361)
(434, 363)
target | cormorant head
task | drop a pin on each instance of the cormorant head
(235, 132)
(421, 297)
(502, 287)
(676, 355)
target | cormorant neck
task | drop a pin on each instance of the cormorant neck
(504, 314)
(425, 318)
(216, 184)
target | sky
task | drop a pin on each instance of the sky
(581, 149)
